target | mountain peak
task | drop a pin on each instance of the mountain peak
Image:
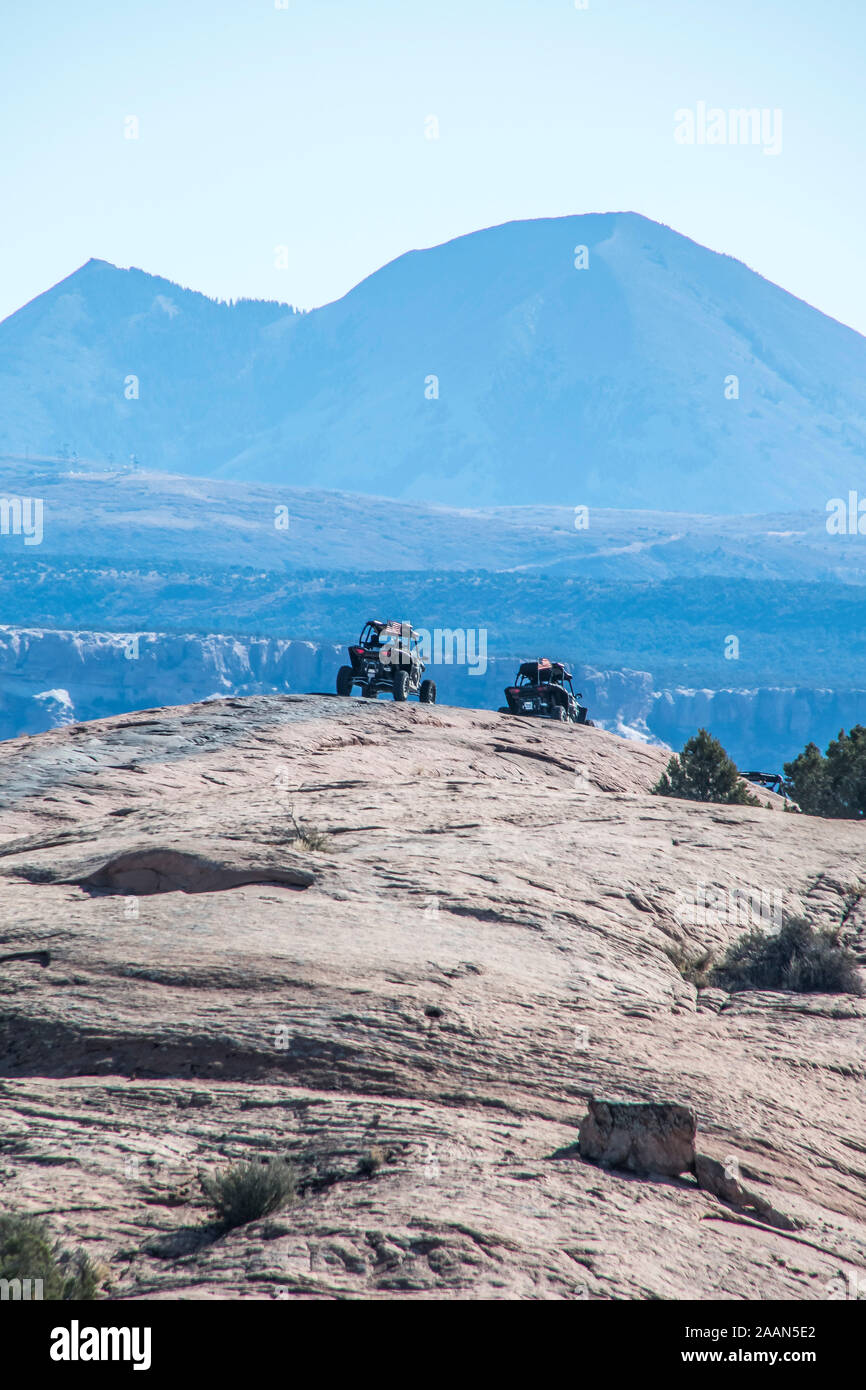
(600, 358)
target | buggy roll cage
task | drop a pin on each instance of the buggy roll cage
(375, 633)
(544, 672)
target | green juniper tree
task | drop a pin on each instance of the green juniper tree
(28, 1252)
(704, 772)
(833, 785)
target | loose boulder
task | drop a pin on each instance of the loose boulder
(640, 1136)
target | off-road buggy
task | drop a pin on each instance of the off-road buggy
(774, 780)
(544, 689)
(387, 656)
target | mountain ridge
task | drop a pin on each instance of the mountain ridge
(626, 213)
(484, 371)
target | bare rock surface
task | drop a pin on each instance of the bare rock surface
(724, 1180)
(416, 1014)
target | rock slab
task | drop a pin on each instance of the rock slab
(641, 1136)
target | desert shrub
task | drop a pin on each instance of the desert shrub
(309, 836)
(28, 1252)
(798, 958)
(704, 772)
(248, 1191)
(370, 1162)
(854, 896)
(694, 966)
(834, 784)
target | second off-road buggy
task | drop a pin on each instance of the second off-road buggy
(387, 656)
(544, 689)
(774, 780)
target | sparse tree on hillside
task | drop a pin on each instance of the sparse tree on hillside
(704, 772)
(833, 785)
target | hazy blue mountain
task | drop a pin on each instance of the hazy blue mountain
(557, 385)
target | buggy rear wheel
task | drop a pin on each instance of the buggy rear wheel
(427, 693)
(345, 678)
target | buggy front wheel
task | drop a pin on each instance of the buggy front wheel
(427, 693)
(401, 684)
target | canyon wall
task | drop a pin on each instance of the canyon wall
(52, 678)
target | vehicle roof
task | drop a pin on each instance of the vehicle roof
(534, 668)
(390, 628)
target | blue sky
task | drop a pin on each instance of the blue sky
(304, 127)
